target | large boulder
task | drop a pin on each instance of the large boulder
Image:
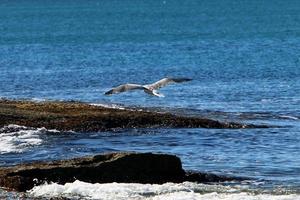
(104, 168)
(112, 167)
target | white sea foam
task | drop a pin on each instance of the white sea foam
(115, 106)
(14, 138)
(288, 117)
(38, 99)
(172, 191)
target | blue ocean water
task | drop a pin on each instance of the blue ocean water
(243, 57)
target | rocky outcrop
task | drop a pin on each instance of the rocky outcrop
(103, 168)
(66, 116)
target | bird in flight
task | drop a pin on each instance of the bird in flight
(149, 88)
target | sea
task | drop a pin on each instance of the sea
(243, 57)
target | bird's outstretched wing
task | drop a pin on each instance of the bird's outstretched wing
(124, 88)
(165, 81)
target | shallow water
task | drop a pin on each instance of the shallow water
(244, 58)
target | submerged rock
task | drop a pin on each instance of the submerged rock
(66, 116)
(103, 168)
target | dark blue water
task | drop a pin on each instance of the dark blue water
(243, 56)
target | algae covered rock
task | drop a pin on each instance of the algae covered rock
(76, 116)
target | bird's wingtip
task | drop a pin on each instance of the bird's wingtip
(183, 79)
(108, 93)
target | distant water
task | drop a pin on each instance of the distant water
(244, 57)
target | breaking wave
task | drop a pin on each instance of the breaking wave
(172, 191)
(16, 139)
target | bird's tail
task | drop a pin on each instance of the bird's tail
(155, 93)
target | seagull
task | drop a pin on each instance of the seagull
(149, 88)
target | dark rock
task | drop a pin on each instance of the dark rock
(66, 116)
(194, 176)
(114, 167)
(104, 168)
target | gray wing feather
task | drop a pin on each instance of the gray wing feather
(165, 81)
(124, 88)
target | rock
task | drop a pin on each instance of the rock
(76, 116)
(194, 176)
(113, 167)
(103, 168)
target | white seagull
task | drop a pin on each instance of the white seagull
(149, 88)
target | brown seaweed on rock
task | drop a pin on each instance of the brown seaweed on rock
(76, 116)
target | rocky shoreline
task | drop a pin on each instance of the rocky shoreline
(122, 167)
(77, 116)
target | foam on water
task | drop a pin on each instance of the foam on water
(115, 106)
(16, 139)
(186, 190)
(289, 117)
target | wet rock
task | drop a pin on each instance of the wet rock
(103, 168)
(114, 167)
(194, 176)
(76, 116)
